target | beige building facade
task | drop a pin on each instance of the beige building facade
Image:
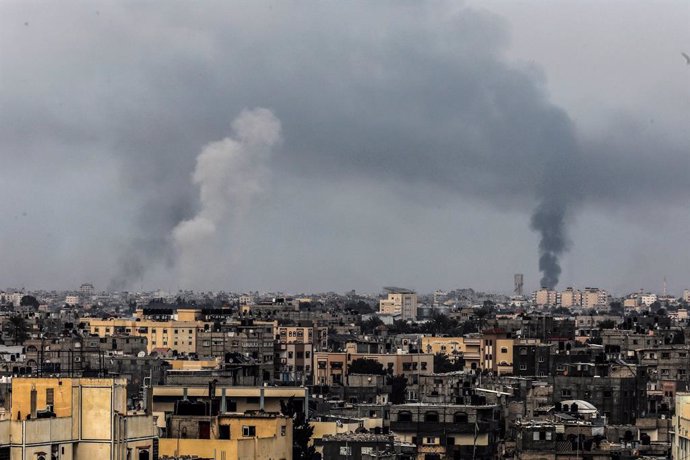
(401, 302)
(87, 419)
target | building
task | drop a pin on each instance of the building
(456, 348)
(86, 290)
(647, 299)
(237, 398)
(686, 295)
(454, 431)
(681, 427)
(571, 298)
(594, 297)
(356, 446)
(72, 300)
(401, 302)
(178, 333)
(332, 368)
(191, 433)
(75, 419)
(546, 297)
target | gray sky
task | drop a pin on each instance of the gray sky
(416, 141)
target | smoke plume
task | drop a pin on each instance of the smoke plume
(419, 108)
(549, 220)
(229, 174)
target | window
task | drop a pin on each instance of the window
(504, 350)
(566, 393)
(431, 416)
(283, 430)
(523, 367)
(523, 351)
(248, 431)
(460, 417)
(430, 440)
(50, 396)
(404, 416)
(345, 451)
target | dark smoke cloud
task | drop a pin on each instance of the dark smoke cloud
(549, 221)
(418, 94)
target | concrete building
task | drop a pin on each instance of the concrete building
(466, 348)
(448, 430)
(648, 298)
(332, 368)
(75, 419)
(72, 300)
(237, 398)
(594, 297)
(178, 333)
(681, 427)
(571, 298)
(401, 302)
(86, 290)
(546, 297)
(686, 295)
(258, 435)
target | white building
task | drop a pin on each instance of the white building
(648, 299)
(72, 300)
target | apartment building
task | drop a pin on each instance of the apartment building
(332, 368)
(79, 419)
(177, 332)
(401, 302)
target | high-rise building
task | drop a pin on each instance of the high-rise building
(545, 296)
(401, 302)
(86, 290)
(571, 298)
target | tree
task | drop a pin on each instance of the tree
(371, 324)
(443, 364)
(29, 301)
(616, 308)
(302, 430)
(398, 384)
(18, 329)
(366, 366)
(607, 324)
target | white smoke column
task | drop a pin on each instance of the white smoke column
(230, 173)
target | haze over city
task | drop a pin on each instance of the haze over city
(311, 147)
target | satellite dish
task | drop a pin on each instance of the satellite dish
(141, 354)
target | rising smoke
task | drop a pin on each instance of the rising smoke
(371, 95)
(549, 220)
(229, 173)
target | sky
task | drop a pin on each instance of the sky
(328, 146)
